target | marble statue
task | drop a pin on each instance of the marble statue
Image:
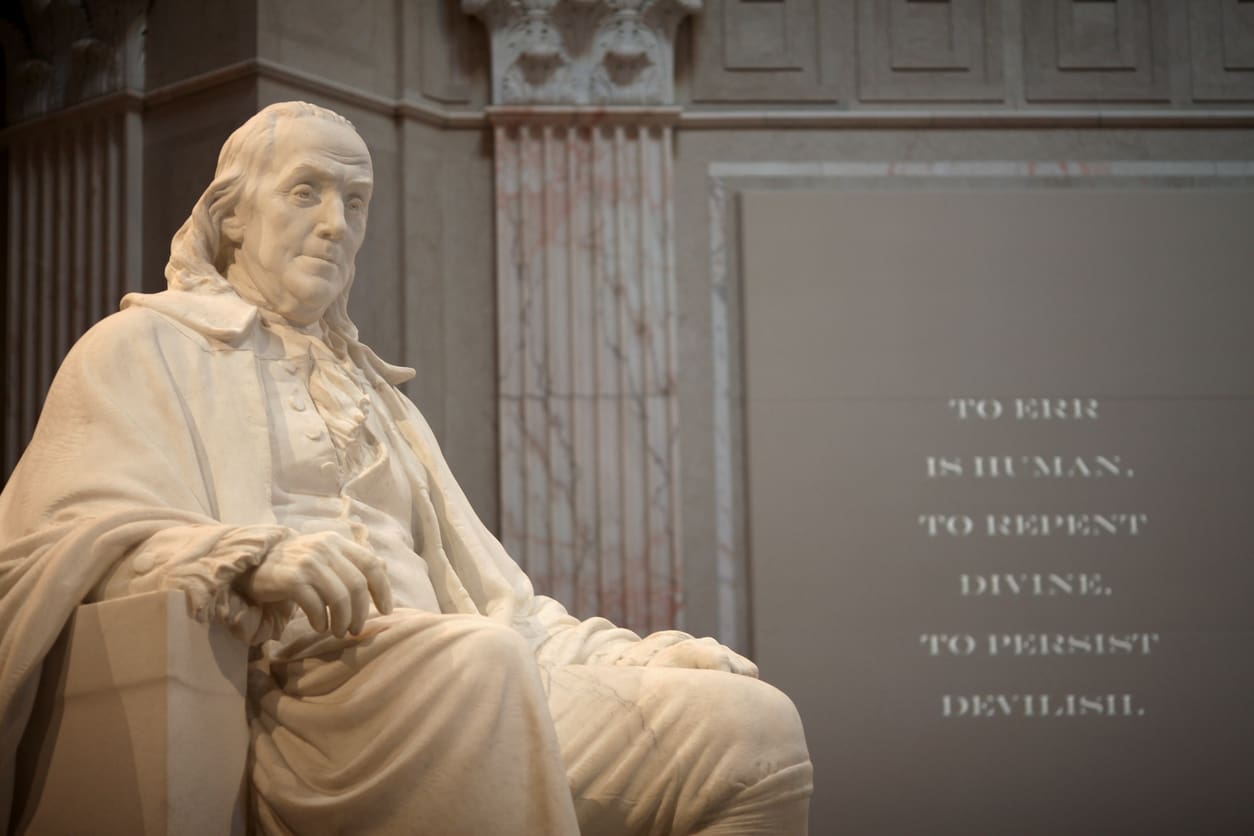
(232, 437)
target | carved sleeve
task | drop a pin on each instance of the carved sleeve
(203, 560)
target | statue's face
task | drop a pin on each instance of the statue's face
(299, 231)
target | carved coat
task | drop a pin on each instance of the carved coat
(155, 437)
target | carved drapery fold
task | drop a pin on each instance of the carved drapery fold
(588, 404)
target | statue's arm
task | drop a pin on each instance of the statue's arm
(251, 577)
(206, 561)
(597, 641)
(248, 576)
(115, 456)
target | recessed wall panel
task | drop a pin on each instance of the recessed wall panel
(1096, 50)
(999, 467)
(919, 50)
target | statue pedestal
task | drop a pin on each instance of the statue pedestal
(139, 725)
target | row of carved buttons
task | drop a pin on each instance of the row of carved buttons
(297, 404)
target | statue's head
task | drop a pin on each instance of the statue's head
(283, 219)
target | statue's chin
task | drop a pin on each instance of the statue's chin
(309, 293)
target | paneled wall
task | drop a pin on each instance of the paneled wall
(1221, 49)
(943, 51)
(1003, 54)
(896, 97)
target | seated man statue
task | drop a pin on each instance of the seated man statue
(231, 437)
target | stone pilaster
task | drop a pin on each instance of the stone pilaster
(589, 435)
(73, 171)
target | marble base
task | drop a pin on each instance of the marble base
(139, 726)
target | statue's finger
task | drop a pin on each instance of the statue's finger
(354, 581)
(307, 598)
(375, 572)
(380, 590)
(335, 595)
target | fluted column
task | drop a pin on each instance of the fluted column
(589, 436)
(73, 159)
(69, 208)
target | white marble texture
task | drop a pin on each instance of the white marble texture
(150, 735)
(588, 404)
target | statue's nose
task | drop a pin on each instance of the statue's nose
(332, 224)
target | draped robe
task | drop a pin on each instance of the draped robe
(153, 448)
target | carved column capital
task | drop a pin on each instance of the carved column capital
(58, 54)
(582, 52)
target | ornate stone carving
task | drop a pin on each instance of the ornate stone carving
(582, 52)
(64, 52)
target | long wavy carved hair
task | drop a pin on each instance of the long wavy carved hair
(199, 252)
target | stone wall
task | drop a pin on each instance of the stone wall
(901, 96)
(1001, 54)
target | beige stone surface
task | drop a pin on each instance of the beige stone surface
(139, 726)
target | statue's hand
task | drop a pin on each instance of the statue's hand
(321, 572)
(703, 653)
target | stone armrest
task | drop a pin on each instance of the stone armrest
(139, 725)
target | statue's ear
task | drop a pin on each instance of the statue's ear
(233, 228)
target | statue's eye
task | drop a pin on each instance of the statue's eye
(303, 192)
(356, 204)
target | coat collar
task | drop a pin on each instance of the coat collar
(228, 318)
(222, 316)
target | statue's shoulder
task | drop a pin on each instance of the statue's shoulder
(175, 325)
(210, 321)
(131, 329)
(131, 349)
(126, 329)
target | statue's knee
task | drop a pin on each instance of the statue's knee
(774, 714)
(758, 716)
(486, 648)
